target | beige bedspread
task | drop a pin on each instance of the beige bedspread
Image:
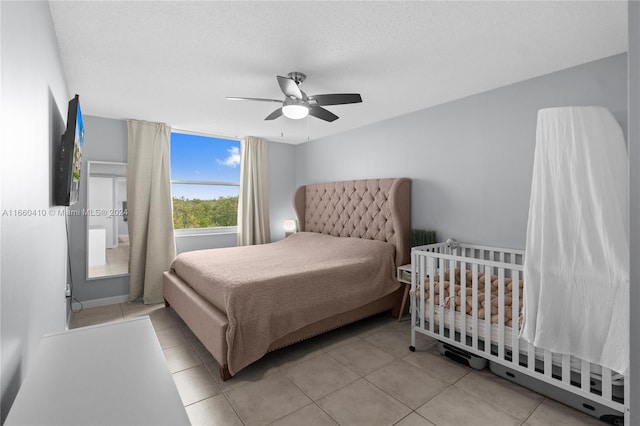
(270, 290)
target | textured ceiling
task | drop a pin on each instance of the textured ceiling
(175, 62)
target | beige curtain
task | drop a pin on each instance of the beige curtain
(253, 202)
(152, 247)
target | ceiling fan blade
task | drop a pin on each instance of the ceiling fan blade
(337, 99)
(289, 87)
(275, 114)
(321, 113)
(235, 98)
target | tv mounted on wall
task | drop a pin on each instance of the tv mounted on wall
(66, 187)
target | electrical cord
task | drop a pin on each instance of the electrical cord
(72, 299)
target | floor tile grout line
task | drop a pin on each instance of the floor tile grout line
(384, 391)
(384, 349)
(362, 376)
(433, 375)
(200, 400)
(233, 408)
(297, 409)
(297, 387)
(186, 368)
(534, 410)
(338, 361)
(323, 396)
(492, 403)
(485, 401)
(209, 373)
(213, 396)
(324, 411)
(462, 377)
(412, 411)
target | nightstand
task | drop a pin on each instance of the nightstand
(404, 276)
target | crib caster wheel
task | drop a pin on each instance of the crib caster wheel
(412, 348)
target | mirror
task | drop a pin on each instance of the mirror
(107, 230)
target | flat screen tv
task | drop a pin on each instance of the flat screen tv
(69, 160)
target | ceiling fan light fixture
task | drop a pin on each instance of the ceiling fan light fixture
(297, 105)
(295, 111)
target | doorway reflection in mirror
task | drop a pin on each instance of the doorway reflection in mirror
(107, 226)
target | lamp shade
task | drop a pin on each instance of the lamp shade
(295, 111)
(289, 225)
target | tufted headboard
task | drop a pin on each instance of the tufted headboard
(375, 209)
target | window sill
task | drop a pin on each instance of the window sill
(203, 232)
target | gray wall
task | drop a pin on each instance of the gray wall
(33, 249)
(634, 161)
(470, 160)
(282, 183)
(104, 140)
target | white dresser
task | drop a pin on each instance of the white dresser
(110, 374)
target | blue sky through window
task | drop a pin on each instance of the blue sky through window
(204, 158)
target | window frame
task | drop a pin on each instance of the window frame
(218, 230)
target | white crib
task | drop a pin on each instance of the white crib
(588, 387)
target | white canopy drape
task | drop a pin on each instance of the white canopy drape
(576, 268)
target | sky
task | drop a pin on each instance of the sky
(204, 158)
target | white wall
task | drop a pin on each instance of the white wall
(470, 160)
(634, 161)
(33, 253)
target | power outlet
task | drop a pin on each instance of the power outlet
(67, 290)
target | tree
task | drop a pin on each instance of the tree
(196, 213)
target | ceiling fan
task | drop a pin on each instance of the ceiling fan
(297, 104)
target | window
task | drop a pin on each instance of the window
(205, 182)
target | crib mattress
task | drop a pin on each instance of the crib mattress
(460, 300)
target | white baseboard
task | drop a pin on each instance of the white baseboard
(100, 302)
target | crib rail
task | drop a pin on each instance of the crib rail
(468, 310)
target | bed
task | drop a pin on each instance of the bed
(465, 296)
(242, 302)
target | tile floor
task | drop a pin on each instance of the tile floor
(117, 261)
(362, 374)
